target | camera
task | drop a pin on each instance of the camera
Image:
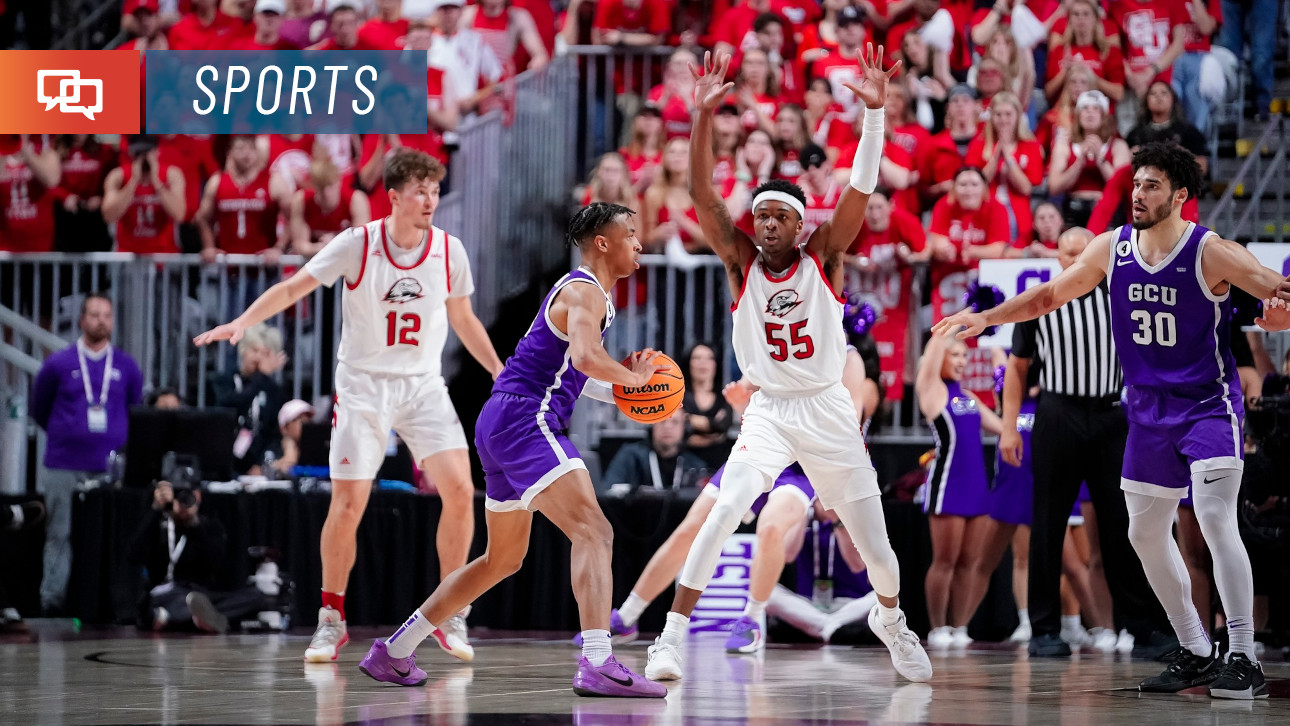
(139, 146)
(180, 470)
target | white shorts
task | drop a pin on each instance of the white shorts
(820, 432)
(368, 406)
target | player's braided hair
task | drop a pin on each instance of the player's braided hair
(779, 185)
(1176, 162)
(591, 219)
(407, 164)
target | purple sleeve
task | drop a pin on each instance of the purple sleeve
(43, 390)
(134, 391)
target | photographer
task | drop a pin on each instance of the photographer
(143, 199)
(183, 556)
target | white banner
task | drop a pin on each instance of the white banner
(723, 601)
(1014, 277)
(1272, 254)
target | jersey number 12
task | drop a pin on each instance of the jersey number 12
(405, 335)
(800, 345)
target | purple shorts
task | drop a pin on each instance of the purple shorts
(792, 479)
(522, 451)
(1172, 435)
(1012, 498)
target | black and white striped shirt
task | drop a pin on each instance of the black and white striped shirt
(1075, 346)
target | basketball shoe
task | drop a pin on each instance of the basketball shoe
(452, 636)
(328, 638)
(938, 638)
(664, 662)
(619, 633)
(745, 636)
(1103, 639)
(1240, 678)
(907, 654)
(401, 671)
(1185, 671)
(613, 679)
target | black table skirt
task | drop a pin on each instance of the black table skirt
(397, 568)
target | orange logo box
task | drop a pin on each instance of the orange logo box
(69, 91)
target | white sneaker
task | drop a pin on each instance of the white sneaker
(1124, 643)
(664, 662)
(1022, 633)
(328, 638)
(907, 654)
(1076, 636)
(961, 637)
(1103, 639)
(940, 638)
(453, 637)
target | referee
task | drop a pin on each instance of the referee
(1078, 437)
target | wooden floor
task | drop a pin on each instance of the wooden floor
(55, 675)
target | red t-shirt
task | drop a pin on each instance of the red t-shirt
(246, 216)
(983, 226)
(675, 113)
(146, 228)
(28, 204)
(887, 289)
(191, 34)
(650, 16)
(1198, 42)
(838, 70)
(1110, 68)
(290, 158)
(195, 157)
(819, 209)
(1090, 178)
(1146, 29)
(84, 173)
(640, 166)
(1030, 157)
(381, 35)
(332, 221)
(769, 106)
(943, 159)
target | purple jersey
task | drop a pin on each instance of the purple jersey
(540, 369)
(956, 484)
(1171, 332)
(821, 559)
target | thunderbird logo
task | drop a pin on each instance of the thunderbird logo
(782, 302)
(405, 289)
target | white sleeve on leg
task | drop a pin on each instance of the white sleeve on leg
(740, 486)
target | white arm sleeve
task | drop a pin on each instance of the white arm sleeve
(598, 390)
(343, 255)
(864, 170)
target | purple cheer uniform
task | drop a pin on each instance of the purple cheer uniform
(792, 480)
(956, 484)
(1012, 498)
(1183, 397)
(520, 434)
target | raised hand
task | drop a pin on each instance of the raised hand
(710, 87)
(971, 324)
(232, 332)
(1276, 315)
(872, 88)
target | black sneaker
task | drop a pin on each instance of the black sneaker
(1047, 645)
(1186, 670)
(1156, 646)
(1240, 678)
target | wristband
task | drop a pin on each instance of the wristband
(864, 169)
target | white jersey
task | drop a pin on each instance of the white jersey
(394, 320)
(788, 334)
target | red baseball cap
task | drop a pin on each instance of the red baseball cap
(134, 6)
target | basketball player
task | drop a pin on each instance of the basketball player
(530, 465)
(406, 281)
(778, 512)
(789, 342)
(1170, 311)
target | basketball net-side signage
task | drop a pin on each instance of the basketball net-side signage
(253, 92)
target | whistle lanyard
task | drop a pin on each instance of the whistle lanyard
(656, 475)
(176, 549)
(85, 376)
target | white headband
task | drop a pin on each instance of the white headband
(771, 195)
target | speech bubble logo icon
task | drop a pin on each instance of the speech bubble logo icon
(69, 98)
(42, 76)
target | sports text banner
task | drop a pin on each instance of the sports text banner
(285, 91)
(69, 92)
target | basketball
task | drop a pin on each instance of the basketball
(655, 400)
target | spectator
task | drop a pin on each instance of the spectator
(1160, 118)
(631, 22)
(821, 38)
(1252, 22)
(143, 199)
(1044, 233)
(510, 31)
(841, 66)
(1058, 23)
(674, 97)
(78, 223)
(1011, 161)
(905, 133)
(1085, 160)
(756, 92)
(663, 463)
(754, 165)
(732, 31)
(644, 149)
(928, 80)
(991, 78)
(28, 179)
(253, 393)
(195, 157)
(1085, 43)
(824, 115)
(895, 171)
(287, 156)
(239, 208)
(81, 398)
(184, 558)
(466, 60)
(1154, 33)
(146, 26)
(949, 148)
(166, 399)
(324, 208)
(285, 453)
(305, 24)
(376, 149)
(821, 189)
(791, 137)
(967, 227)
(243, 14)
(1062, 115)
(203, 28)
(942, 27)
(669, 212)
(343, 18)
(1017, 66)
(768, 33)
(1204, 18)
(267, 21)
(727, 143)
(708, 416)
(442, 107)
(387, 30)
(15, 517)
(610, 182)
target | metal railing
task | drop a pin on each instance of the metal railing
(82, 35)
(1256, 176)
(613, 83)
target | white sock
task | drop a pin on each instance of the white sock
(1191, 633)
(675, 630)
(755, 609)
(631, 609)
(1070, 622)
(406, 639)
(1023, 614)
(1240, 637)
(595, 646)
(961, 630)
(888, 616)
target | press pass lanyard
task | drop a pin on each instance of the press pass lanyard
(656, 475)
(174, 548)
(96, 409)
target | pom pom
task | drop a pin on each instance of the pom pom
(858, 316)
(981, 298)
(998, 379)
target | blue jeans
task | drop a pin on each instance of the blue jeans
(1186, 83)
(1262, 17)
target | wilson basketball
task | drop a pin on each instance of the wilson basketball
(656, 400)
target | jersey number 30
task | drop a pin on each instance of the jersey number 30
(799, 345)
(1165, 328)
(405, 334)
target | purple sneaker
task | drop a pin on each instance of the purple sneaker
(745, 636)
(401, 671)
(613, 679)
(618, 633)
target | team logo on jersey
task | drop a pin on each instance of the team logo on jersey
(405, 289)
(783, 302)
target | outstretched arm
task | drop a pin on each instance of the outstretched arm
(579, 310)
(274, 300)
(1076, 280)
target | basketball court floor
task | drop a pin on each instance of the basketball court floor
(55, 675)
